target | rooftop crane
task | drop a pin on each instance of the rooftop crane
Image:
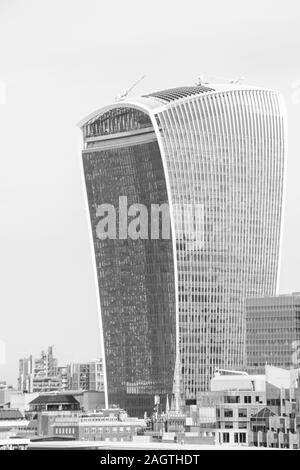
(123, 96)
(236, 80)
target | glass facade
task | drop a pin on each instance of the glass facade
(220, 154)
(224, 152)
(273, 332)
(135, 277)
(116, 121)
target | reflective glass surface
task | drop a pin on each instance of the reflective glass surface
(136, 277)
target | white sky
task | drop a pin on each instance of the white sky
(60, 60)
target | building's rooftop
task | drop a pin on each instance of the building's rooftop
(173, 94)
(276, 376)
(10, 414)
(153, 101)
(238, 382)
(54, 398)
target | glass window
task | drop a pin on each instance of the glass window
(242, 412)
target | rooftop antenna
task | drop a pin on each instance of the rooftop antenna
(123, 96)
(202, 80)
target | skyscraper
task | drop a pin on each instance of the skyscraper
(216, 156)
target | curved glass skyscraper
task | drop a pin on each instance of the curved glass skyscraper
(216, 156)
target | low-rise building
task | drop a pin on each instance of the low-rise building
(44, 408)
(271, 430)
(54, 402)
(97, 428)
(107, 424)
(89, 400)
(12, 423)
(257, 410)
(233, 415)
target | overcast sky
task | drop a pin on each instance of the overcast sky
(61, 60)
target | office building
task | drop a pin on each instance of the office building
(39, 374)
(215, 156)
(273, 332)
(26, 374)
(86, 376)
(255, 410)
(96, 427)
(46, 364)
(42, 374)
